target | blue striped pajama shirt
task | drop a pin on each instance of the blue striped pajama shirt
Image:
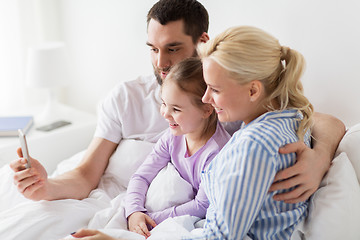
(238, 179)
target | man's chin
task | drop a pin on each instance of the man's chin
(158, 78)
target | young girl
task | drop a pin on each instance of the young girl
(193, 139)
(252, 78)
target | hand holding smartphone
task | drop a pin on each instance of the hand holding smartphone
(24, 148)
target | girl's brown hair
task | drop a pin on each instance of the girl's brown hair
(188, 76)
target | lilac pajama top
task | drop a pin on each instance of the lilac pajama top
(173, 149)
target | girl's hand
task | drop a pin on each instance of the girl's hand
(138, 221)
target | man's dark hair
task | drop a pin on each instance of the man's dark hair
(194, 14)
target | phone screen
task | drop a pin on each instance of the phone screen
(24, 148)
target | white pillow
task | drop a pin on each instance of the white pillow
(129, 155)
(123, 163)
(168, 189)
(351, 145)
(334, 209)
(68, 164)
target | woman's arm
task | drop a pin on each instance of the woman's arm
(312, 164)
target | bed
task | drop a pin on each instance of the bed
(333, 213)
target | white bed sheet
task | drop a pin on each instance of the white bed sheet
(24, 219)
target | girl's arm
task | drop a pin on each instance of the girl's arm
(195, 207)
(140, 181)
(135, 210)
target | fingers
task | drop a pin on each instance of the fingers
(294, 196)
(150, 221)
(19, 152)
(18, 165)
(288, 173)
(303, 178)
(141, 229)
(289, 183)
(84, 233)
(300, 192)
(28, 180)
(295, 147)
(21, 175)
(139, 221)
(28, 187)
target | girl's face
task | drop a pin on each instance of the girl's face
(231, 101)
(177, 108)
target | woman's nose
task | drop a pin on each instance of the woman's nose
(206, 98)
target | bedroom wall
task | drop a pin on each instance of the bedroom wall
(107, 41)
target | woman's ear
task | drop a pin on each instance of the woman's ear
(255, 90)
(208, 110)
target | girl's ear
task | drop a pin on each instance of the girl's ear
(208, 110)
(255, 90)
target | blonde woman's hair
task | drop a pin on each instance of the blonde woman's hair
(249, 53)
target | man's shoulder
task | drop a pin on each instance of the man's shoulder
(141, 86)
(147, 81)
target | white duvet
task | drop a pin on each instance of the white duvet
(333, 215)
(103, 209)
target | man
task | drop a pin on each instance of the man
(175, 28)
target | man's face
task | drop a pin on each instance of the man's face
(169, 45)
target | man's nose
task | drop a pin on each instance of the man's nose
(163, 60)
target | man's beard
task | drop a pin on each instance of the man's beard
(157, 70)
(157, 75)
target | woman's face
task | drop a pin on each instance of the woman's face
(231, 100)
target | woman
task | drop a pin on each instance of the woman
(252, 78)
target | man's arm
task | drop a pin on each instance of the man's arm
(34, 184)
(312, 164)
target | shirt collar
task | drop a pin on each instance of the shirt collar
(288, 113)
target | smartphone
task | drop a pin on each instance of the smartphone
(24, 148)
(53, 125)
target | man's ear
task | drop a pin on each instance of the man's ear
(255, 90)
(204, 37)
